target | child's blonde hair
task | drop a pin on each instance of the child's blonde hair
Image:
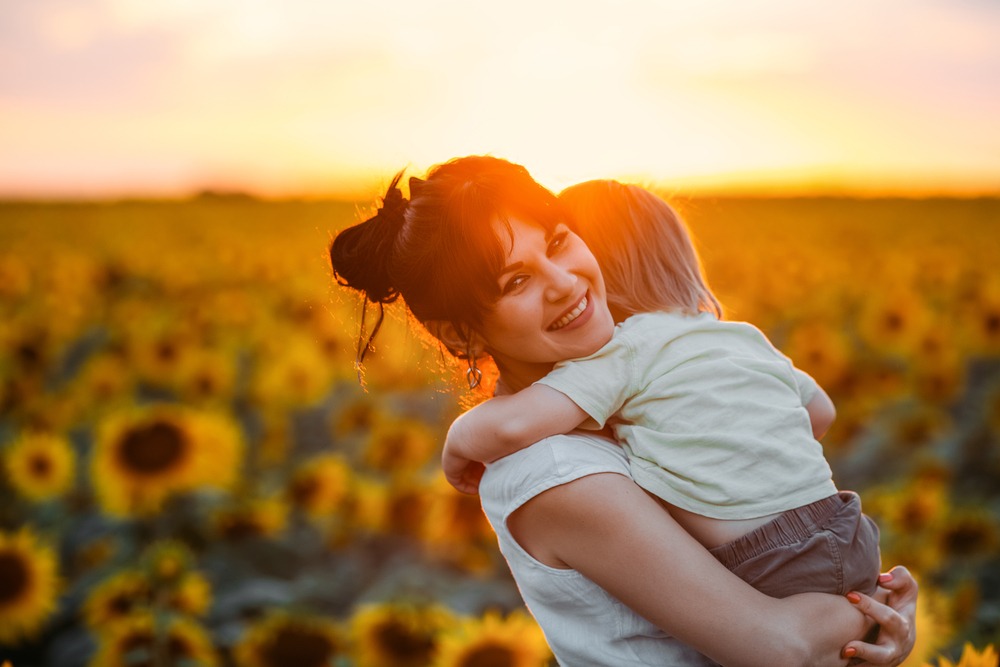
(643, 247)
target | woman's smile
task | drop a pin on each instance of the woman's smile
(577, 316)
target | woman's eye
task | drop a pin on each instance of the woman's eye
(514, 283)
(557, 242)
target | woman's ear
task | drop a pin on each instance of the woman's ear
(458, 344)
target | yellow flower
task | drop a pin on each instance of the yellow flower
(115, 598)
(206, 376)
(368, 506)
(282, 640)
(166, 561)
(294, 373)
(359, 416)
(515, 641)
(104, 381)
(821, 351)
(40, 466)
(969, 533)
(933, 628)
(971, 657)
(139, 640)
(29, 585)
(457, 529)
(400, 446)
(397, 635)
(894, 320)
(321, 486)
(250, 517)
(142, 457)
(190, 595)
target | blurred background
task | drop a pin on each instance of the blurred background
(190, 471)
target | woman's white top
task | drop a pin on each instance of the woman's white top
(583, 624)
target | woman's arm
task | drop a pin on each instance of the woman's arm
(609, 529)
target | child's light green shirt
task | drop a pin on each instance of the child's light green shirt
(711, 415)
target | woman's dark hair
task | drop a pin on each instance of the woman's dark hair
(440, 250)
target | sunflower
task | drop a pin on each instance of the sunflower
(295, 374)
(103, 382)
(400, 446)
(821, 351)
(143, 456)
(249, 518)
(357, 417)
(29, 585)
(283, 639)
(40, 466)
(919, 424)
(457, 529)
(407, 508)
(320, 486)
(969, 533)
(166, 561)
(158, 353)
(206, 376)
(116, 598)
(971, 657)
(368, 506)
(191, 594)
(397, 635)
(894, 320)
(515, 641)
(140, 641)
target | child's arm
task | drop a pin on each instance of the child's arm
(821, 413)
(502, 426)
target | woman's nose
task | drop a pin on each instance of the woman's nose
(561, 283)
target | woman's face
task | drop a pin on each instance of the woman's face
(552, 302)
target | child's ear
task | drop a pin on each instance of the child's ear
(457, 343)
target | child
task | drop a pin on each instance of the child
(716, 422)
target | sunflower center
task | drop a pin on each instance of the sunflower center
(152, 448)
(294, 646)
(400, 643)
(893, 321)
(40, 466)
(14, 577)
(304, 489)
(992, 323)
(489, 655)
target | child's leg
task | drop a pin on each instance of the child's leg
(826, 547)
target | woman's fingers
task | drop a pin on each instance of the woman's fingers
(901, 583)
(896, 624)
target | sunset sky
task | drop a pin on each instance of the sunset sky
(327, 97)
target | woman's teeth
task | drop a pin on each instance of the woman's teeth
(571, 315)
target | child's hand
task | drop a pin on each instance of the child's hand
(462, 473)
(460, 470)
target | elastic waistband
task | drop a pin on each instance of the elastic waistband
(788, 528)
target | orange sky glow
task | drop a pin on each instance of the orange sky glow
(109, 98)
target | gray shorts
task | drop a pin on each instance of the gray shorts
(826, 547)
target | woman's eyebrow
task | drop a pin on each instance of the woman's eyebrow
(511, 267)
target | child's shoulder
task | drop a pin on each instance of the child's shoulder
(661, 321)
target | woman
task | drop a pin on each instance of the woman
(483, 258)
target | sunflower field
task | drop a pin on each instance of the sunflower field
(192, 474)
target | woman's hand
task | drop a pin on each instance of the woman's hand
(896, 618)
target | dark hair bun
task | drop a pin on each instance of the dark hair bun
(361, 255)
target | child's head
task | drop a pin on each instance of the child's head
(643, 247)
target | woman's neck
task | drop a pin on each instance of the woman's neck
(515, 376)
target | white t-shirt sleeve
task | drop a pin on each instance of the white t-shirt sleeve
(601, 383)
(806, 385)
